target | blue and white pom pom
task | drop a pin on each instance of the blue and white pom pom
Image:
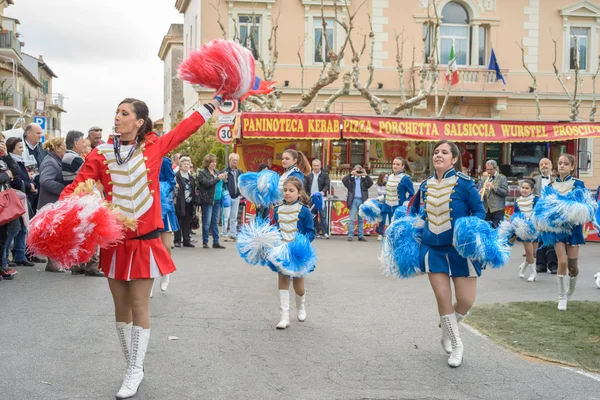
(556, 213)
(254, 240)
(371, 211)
(400, 212)
(401, 247)
(506, 232)
(476, 240)
(523, 227)
(261, 188)
(295, 259)
(317, 201)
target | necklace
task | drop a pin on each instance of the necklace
(117, 148)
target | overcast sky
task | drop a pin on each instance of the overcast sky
(102, 51)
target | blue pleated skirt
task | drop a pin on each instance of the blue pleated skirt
(170, 222)
(445, 259)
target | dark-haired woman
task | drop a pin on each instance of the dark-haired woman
(398, 189)
(8, 173)
(447, 196)
(128, 169)
(567, 247)
(14, 146)
(296, 166)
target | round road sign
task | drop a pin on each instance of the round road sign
(228, 107)
(224, 134)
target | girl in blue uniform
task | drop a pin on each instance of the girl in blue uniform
(525, 205)
(167, 188)
(398, 189)
(296, 165)
(447, 196)
(293, 217)
(567, 247)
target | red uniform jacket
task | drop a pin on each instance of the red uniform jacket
(134, 186)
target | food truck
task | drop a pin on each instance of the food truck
(342, 141)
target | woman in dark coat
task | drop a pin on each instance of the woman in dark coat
(185, 202)
(51, 181)
(8, 172)
(209, 180)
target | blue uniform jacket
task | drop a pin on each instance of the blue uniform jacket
(167, 186)
(444, 202)
(405, 191)
(305, 224)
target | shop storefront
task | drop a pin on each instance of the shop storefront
(342, 141)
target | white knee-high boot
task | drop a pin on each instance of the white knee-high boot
(523, 269)
(284, 309)
(300, 306)
(164, 282)
(446, 344)
(135, 369)
(533, 276)
(124, 334)
(563, 287)
(450, 324)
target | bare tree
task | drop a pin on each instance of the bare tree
(593, 109)
(534, 85)
(574, 103)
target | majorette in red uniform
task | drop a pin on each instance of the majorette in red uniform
(134, 188)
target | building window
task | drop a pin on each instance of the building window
(586, 154)
(579, 55)
(249, 26)
(482, 46)
(454, 32)
(321, 46)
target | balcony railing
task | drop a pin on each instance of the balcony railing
(8, 40)
(58, 99)
(470, 78)
(11, 98)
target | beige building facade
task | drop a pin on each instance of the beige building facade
(171, 53)
(472, 27)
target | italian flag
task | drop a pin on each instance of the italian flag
(452, 73)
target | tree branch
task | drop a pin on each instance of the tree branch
(344, 90)
(218, 10)
(593, 110)
(534, 86)
(334, 69)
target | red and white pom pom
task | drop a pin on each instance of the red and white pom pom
(69, 230)
(223, 65)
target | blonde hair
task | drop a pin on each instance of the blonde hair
(54, 143)
(232, 155)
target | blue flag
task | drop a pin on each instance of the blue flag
(495, 67)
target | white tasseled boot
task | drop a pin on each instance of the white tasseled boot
(164, 282)
(124, 334)
(301, 307)
(523, 269)
(572, 284)
(563, 287)
(284, 309)
(533, 276)
(450, 324)
(446, 344)
(135, 369)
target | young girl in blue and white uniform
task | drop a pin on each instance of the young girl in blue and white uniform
(398, 189)
(293, 217)
(296, 165)
(525, 205)
(567, 248)
(447, 196)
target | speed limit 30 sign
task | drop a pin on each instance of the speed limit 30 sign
(224, 134)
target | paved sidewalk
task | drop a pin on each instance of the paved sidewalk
(366, 336)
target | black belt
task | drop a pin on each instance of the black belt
(148, 236)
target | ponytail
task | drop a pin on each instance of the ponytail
(301, 161)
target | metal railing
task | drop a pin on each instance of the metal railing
(8, 40)
(467, 76)
(11, 98)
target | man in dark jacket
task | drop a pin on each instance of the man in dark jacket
(33, 155)
(358, 183)
(185, 202)
(318, 181)
(231, 213)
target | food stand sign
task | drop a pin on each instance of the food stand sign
(386, 128)
(290, 126)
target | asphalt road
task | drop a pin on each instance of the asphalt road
(366, 336)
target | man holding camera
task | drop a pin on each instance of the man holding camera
(358, 183)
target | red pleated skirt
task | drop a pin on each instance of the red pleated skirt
(136, 259)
